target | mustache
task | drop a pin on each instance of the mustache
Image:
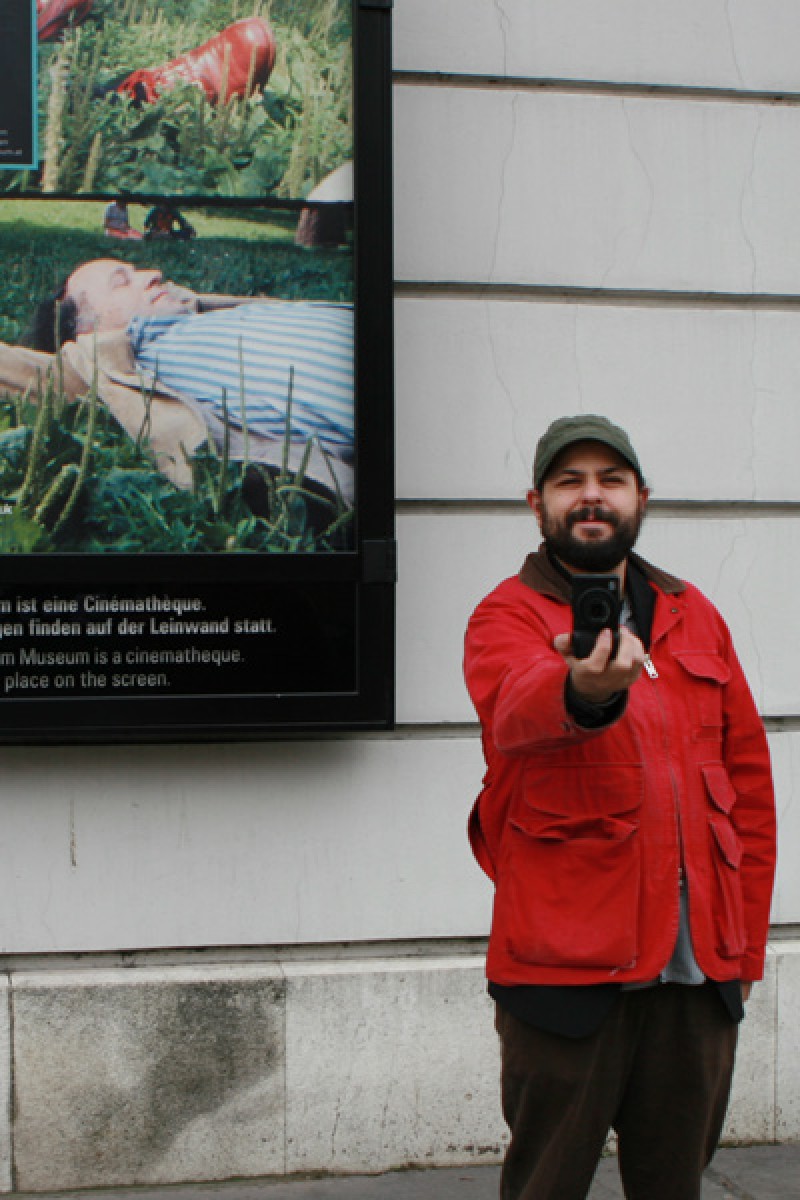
(593, 512)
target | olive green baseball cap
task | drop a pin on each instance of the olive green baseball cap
(587, 427)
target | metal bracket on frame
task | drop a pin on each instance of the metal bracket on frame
(379, 561)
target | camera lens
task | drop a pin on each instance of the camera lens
(596, 608)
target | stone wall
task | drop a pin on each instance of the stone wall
(162, 1074)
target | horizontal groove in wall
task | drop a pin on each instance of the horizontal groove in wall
(714, 510)
(784, 724)
(417, 950)
(448, 730)
(598, 87)
(470, 730)
(407, 289)
(194, 956)
(784, 933)
(444, 732)
(787, 724)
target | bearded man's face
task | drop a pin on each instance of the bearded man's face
(590, 507)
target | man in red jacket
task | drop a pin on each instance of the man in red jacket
(627, 821)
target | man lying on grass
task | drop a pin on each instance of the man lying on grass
(265, 378)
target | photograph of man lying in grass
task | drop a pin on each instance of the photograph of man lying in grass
(173, 395)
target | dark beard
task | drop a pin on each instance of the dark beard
(592, 556)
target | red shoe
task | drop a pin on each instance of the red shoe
(53, 16)
(245, 51)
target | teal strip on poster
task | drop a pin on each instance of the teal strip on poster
(19, 149)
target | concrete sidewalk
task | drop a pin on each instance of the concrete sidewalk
(750, 1173)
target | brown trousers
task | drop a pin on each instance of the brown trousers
(658, 1071)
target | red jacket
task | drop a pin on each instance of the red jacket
(584, 831)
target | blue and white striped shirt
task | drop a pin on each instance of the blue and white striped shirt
(238, 361)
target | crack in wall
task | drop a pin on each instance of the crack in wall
(346, 1089)
(504, 23)
(501, 198)
(740, 591)
(741, 536)
(73, 837)
(516, 446)
(755, 410)
(784, 798)
(334, 1129)
(728, 557)
(639, 159)
(748, 191)
(751, 363)
(493, 349)
(732, 41)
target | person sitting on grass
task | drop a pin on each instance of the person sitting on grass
(270, 380)
(165, 221)
(116, 222)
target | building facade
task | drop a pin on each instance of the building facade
(243, 960)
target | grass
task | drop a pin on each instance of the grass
(55, 217)
(75, 482)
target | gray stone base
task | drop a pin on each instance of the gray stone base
(168, 1074)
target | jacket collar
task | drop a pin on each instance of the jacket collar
(539, 574)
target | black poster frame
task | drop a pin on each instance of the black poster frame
(354, 589)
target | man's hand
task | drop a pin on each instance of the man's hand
(746, 990)
(599, 677)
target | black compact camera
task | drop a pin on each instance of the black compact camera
(596, 605)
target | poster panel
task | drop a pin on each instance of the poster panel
(195, 372)
(18, 126)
